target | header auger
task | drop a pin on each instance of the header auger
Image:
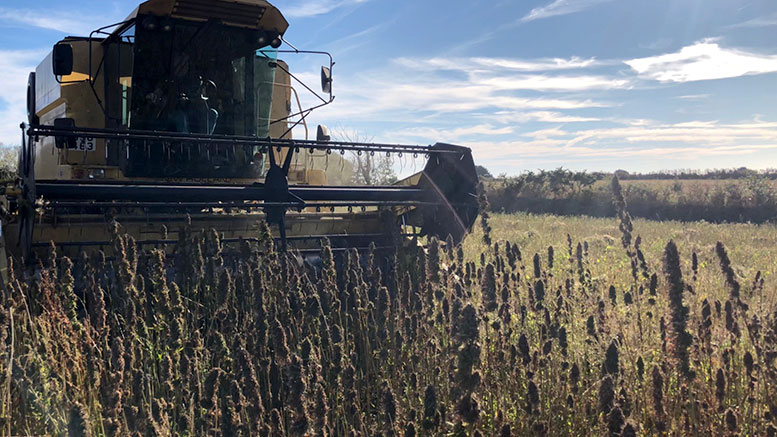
(180, 117)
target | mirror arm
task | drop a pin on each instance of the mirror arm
(321, 105)
(324, 102)
(288, 44)
(302, 118)
(302, 83)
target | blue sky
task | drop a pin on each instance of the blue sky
(584, 84)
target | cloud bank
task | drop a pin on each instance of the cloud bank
(704, 60)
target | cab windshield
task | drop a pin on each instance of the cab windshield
(204, 78)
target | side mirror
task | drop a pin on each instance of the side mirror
(322, 134)
(62, 59)
(326, 80)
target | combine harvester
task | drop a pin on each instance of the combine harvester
(181, 116)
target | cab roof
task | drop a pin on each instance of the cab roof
(253, 14)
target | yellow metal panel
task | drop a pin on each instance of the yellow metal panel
(281, 101)
(93, 231)
(47, 90)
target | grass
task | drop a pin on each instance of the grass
(752, 247)
(565, 331)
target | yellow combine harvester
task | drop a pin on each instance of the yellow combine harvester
(181, 116)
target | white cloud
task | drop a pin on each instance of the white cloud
(457, 134)
(538, 64)
(15, 68)
(67, 22)
(476, 64)
(705, 60)
(694, 96)
(502, 108)
(355, 40)
(698, 133)
(508, 129)
(422, 109)
(372, 98)
(414, 89)
(500, 73)
(311, 8)
(17, 64)
(701, 124)
(560, 7)
(757, 22)
(553, 83)
(687, 141)
(506, 117)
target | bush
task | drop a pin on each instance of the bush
(9, 162)
(560, 191)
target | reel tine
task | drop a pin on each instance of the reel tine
(271, 154)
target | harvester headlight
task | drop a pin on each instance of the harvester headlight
(276, 43)
(95, 173)
(261, 41)
(150, 23)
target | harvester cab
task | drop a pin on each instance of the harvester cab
(180, 118)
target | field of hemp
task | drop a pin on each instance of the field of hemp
(535, 325)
